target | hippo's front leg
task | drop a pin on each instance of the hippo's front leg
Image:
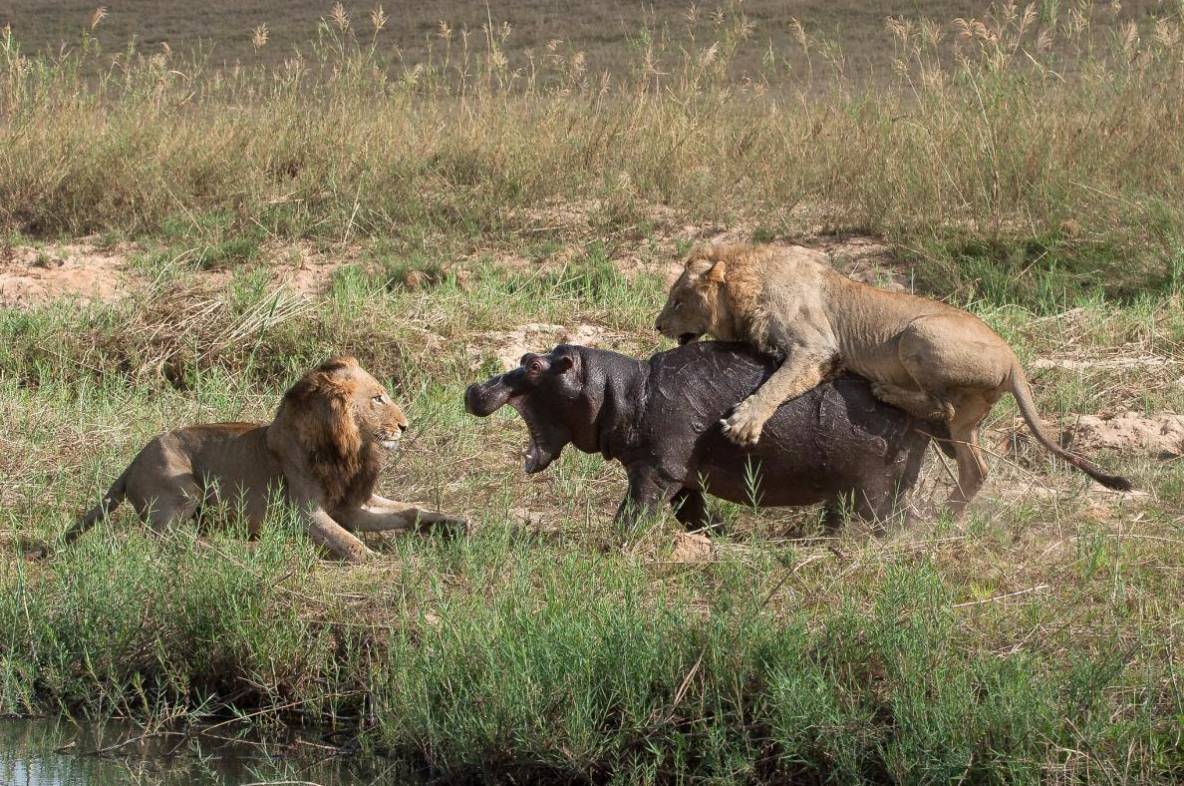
(648, 492)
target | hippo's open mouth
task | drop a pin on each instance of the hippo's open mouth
(687, 338)
(537, 455)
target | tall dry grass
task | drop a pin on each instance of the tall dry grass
(1026, 122)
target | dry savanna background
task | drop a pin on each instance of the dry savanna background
(199, 201)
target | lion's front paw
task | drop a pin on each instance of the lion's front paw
(447, 526)
(744, 425)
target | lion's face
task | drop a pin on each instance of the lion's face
(379, 418)
(342, 418)
(696, 304)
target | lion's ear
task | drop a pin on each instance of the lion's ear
(708, 269)
(718, 272)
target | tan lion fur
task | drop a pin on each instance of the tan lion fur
(322, 453)
(928, 358)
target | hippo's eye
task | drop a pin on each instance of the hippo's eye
(535, 366)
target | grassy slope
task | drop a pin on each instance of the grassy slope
(571, 651)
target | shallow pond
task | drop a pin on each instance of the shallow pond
(62, 753)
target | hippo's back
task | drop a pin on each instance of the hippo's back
(829, 440)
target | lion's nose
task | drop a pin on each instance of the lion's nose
(402, 427)
(658, 326)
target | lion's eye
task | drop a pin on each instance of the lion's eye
(378, 399)
(677, 305)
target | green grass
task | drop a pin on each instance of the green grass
(982, 148)
(1037, 642)
(528, 661)
(574, 651)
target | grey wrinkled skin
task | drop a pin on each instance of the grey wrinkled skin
(660, 418)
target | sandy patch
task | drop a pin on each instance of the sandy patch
(508, 346)
(304, 269)
(1160, 435)
(77, 271)
(1100, 363)
(692, 547)
(1131, 433)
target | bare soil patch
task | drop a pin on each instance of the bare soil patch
(80, 271)
(1135, 434)
(692, 547)
(305, 269)
(508, 346)
(1160, 435)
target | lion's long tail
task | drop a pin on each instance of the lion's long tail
(1023, 397)
(110, 502)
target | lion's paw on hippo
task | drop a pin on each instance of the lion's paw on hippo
(836, 444)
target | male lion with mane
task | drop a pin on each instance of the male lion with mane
(323, 453)
(932, 360)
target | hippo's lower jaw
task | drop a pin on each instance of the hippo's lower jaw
(537, 455)
(483, 400)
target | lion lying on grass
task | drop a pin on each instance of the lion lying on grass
(322, 453)
(930, 359)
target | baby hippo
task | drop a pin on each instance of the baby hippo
(836, 444)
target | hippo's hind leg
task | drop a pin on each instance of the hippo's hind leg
(648, 491)
(690, 508)
(877, 501)
(874, 507)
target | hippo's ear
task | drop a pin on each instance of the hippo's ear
(562, 364)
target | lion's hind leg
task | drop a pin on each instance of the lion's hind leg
(961, 363)
(969, 412)
(175, 500)
(917, 403)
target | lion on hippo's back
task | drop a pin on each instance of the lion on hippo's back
(930, 359)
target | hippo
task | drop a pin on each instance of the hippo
(661, 418)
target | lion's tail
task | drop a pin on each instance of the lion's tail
(110, 502)
(1023, 397)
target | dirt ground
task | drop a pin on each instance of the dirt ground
(32, 276)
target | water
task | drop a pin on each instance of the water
(61, 753)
